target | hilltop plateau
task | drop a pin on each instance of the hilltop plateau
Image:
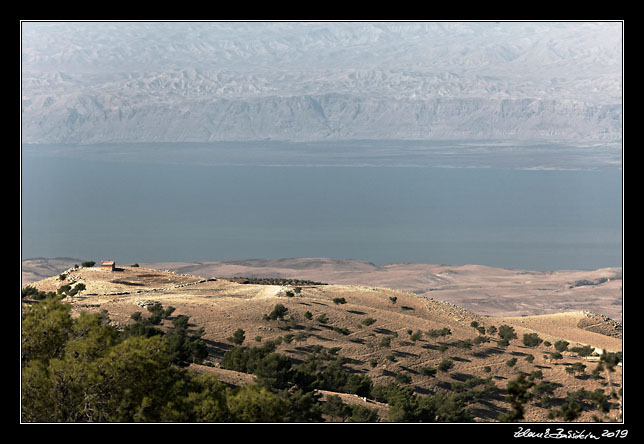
(484, 290)
(386, 334)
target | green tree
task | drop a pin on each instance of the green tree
(333, 406)
(185, 345)
(361, 413)
(610, 360)
(253, 403)
(207, 399)
(561, 346)
(46, 326)
(507, 333)
(279, 311)
(368, 321)
(531, 340)
(517, 395)
(445, 365)
(238, 337)
(583, 351)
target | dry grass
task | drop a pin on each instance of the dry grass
(221, 307)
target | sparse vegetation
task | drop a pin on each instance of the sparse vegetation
(561, 346)
(368, 321)
(531, 340)
(238, 337)
(277, 281)
(279, 311)
(445, 365)
(416, 375)
(517, 396)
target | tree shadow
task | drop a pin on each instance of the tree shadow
(217, 349)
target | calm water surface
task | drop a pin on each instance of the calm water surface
(539, 220)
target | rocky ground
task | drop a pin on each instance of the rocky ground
(221, 306)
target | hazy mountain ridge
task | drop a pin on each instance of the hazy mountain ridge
(153, 82)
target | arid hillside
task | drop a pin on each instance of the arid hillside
(387, 334)
(484, 290)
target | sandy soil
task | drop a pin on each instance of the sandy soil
(221, 307)
(485, 290)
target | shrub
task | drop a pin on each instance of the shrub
(403, 378)
(257, 404)
(88, 264)
(507, 332)
(531, 340)
(288, 338)
(416, 336)
(368, 321)
(428, 371)
(360, 413)
(583, 351)
(445, 365)
(338, 301)
(238, 337)
(518, 394)
(480, 339)
(35, 294)
(561, 346)
(575, 368)
(279, 311)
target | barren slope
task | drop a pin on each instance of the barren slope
(485, 290)
(221, 307)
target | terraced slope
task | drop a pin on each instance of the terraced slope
(358, 322)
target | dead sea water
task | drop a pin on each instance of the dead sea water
(100, 207)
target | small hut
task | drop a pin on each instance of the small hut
(108, 265)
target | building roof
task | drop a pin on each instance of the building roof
(107, 263)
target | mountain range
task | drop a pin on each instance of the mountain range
(107, 82)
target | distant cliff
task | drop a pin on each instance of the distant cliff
(197, 82)
(87, 119)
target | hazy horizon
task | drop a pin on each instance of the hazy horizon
(492, 143)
